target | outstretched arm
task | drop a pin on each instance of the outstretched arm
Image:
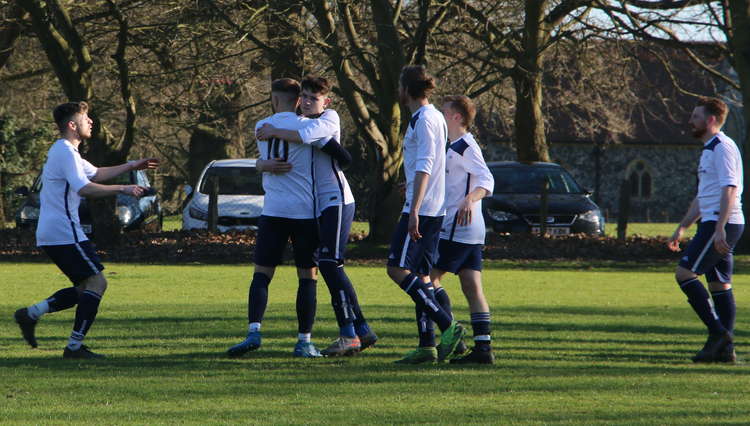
(104, 174)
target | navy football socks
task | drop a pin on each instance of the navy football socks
(445, 302)
(88, 306)
(257, 297)
(306, 304)
(63, 299)
(701, 302)
(480, 325)
(725, 307)
(420, 294)
(333, 275)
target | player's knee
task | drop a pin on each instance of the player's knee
(397, 274)
(682, 274)
(96, 283)
(719, 286)
(265, 270)
(307, 273)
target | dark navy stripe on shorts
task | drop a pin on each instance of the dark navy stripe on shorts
(701, 256)
(335, 223)
(454, 256)
(273, 235)
(416, 256)
(77, 261)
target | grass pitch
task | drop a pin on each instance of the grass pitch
(574, 346)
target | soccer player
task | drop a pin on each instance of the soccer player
(334, 209)
(467, 181)
(415, 239)
(287, 213)
(66, 177)
(719, 209)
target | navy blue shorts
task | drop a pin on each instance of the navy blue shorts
(701, 257)
(77, 261)
(454, 256)
(335, 223)
(416, 256)
(275, 232)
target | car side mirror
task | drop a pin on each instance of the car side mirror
(588, 192)
(188, 190)
(22, 191)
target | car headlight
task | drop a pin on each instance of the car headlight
(30, 213)
(501, 216)
(197, 213)
(590, 216)
(125, 215)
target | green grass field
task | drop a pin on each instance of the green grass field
(174, 222)
(574, 345)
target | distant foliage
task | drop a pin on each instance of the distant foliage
(22, 154)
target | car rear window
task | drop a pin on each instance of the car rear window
(234, 181)
(528, 180)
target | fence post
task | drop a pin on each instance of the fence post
(544, 207)
(213, 205)
(624, 210)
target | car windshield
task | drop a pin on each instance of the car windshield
(528, 180)
(233, 181)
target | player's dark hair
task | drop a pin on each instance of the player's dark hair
(316, 84)
(64, 113)
(416, 81)
(287, 86)
(464, 106)
(715, 107)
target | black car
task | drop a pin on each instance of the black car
(132, 212)
(515, 205)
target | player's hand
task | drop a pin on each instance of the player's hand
(145, 163)
(463, 217)
(674, 241)
(720, 241)
(414, 227)
(134, 190)
(278, 166)
(266, 132)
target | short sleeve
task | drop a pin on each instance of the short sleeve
(726, 162)
(426, 145)
(72, 168)
(89, 169)
(476, 166)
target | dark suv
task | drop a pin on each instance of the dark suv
(515, 205)
(132, 212)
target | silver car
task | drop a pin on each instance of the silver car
(240, 196)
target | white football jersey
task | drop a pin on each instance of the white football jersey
(424, 151)
(288, 195)
(63, 175)
(465, 171)
(331, 186)
(720, 166)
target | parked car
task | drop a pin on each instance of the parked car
(516, 202)
(132, 212)
(239, 199)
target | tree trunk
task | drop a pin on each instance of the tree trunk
(10, 33)
(740, 45)
(529, 138)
